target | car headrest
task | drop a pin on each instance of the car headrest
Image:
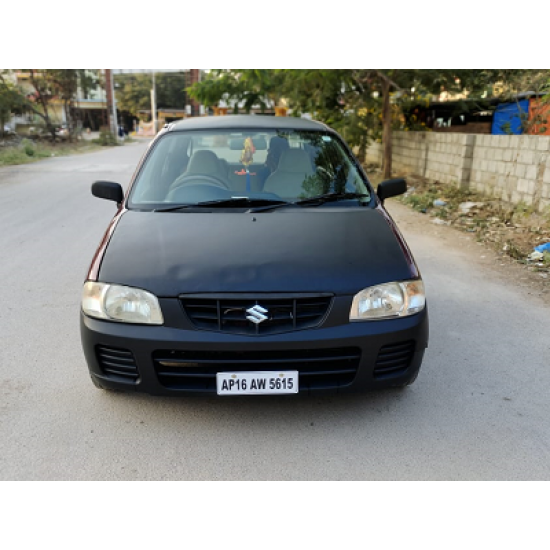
(203, 162)
(295, 160)
(278, 144)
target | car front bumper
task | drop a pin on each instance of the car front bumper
(170, 360)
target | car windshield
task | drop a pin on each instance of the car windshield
(241, 168)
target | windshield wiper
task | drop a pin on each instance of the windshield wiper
(330, 197)
(313, 201)
(174, 208)
(265, 204)
(233, 201)
(244, 201)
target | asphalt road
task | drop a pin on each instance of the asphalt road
(478, 411)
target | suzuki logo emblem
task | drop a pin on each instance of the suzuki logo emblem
(257, 315)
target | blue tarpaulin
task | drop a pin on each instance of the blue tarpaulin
(508, 118)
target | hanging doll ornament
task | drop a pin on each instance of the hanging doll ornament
(247, 159)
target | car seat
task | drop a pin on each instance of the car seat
(287, 181)
(207, 163)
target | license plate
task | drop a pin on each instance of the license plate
(257, 383)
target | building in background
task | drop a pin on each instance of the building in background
(89, 107)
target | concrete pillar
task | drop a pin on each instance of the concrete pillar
(467, 161)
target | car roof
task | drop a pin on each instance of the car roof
(236, 122)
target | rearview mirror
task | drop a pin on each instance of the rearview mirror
(108, 190)
(237, 144)
(391, 188)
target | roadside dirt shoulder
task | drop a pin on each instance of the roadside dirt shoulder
(498, 265)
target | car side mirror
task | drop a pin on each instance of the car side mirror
(108, 190)
(391, 188)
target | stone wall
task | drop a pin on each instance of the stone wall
(512, 168)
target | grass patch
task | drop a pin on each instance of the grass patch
(421, 202)
(30, 151)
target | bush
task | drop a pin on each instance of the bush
(28, 147)
(106, 137)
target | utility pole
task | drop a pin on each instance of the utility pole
(195, 76)
(108, 96)
(111, 105)
(154, 104)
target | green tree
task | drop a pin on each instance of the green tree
(65, 84)
(362, 104)
(217, 86)
(246, 87)
(372, 99)
(55, 84)
(393, 87)
(133, 92)
(11, 99)
(171, 92)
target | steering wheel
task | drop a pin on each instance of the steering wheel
(207, 178)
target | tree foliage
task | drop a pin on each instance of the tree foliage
(362, 104)
(133, 91)
(244, 87)
(54, 85)
(11, 99)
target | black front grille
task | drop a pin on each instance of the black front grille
(394, 359)
(117, 363)
(283, 313)
(196, 370)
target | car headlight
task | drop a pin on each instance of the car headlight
(121, 303)
(388, 300)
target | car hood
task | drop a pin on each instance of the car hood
(336, 250)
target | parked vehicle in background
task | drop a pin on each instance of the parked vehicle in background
(62, 132)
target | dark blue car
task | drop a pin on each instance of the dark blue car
(251, 255)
